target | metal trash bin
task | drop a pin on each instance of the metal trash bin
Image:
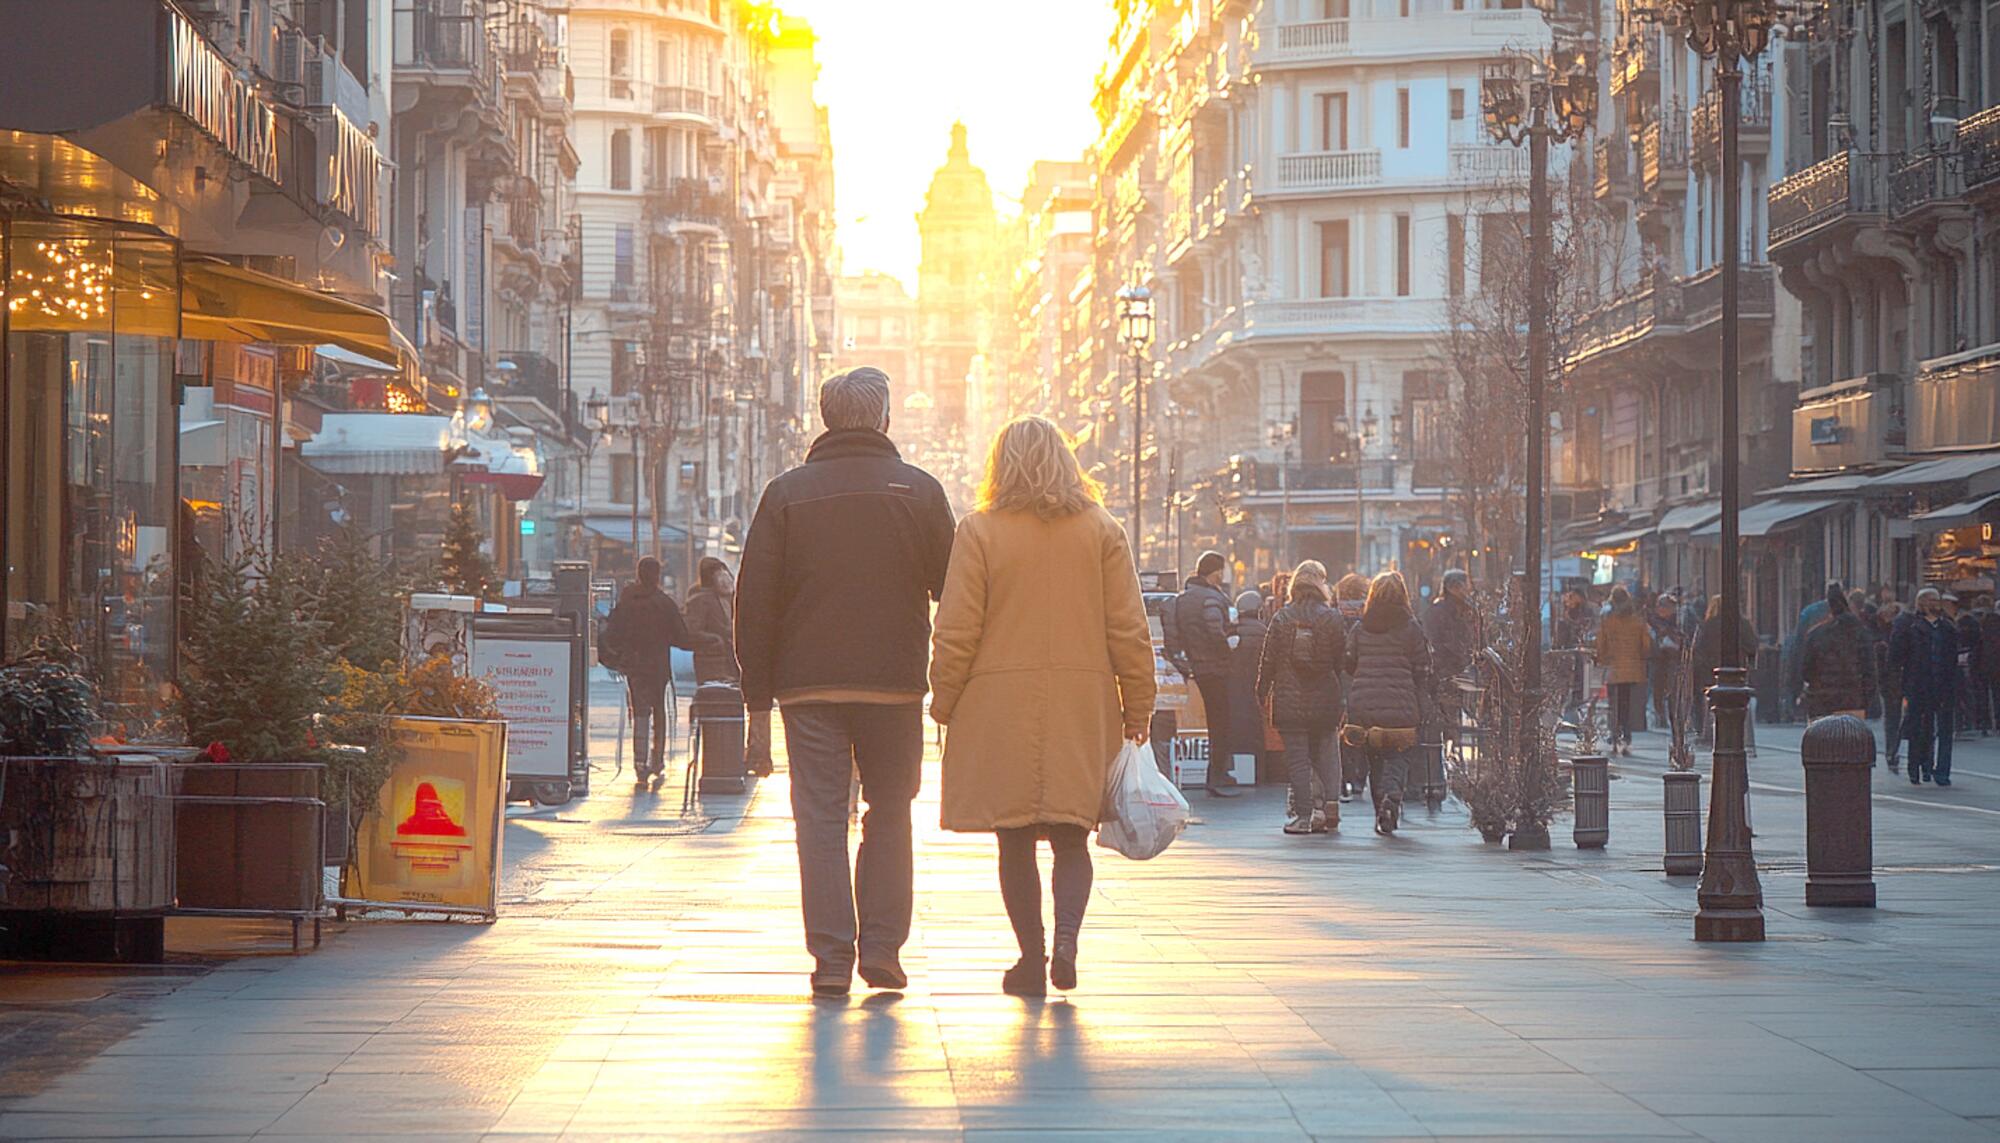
(717, 758)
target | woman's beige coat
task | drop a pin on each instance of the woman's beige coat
(1040, 663)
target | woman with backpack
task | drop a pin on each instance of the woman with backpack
(1298, 675)
(1390, 663)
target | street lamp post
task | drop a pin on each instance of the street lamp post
(1731, 901)
(1283, 435)
(1135, 329)
(1555, 104)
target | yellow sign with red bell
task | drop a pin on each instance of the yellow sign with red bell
(433, 842)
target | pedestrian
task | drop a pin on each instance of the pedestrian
(1203, 628)
(1971, 666)
(1452, 625)
(1891, 683)
(1623, 646)
(1248, 719)
(711, 610)
(1350, 598)
(1389, 660)
(1809, 617)
(1838, 661)
(1989, 662)
(1707, 654)
(1041, 664)
(1663, 666)
(641, 630)
(845, 554)
(1275, 597)
(1923, 649)
(1298, 675)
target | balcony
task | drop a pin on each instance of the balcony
(1932, 179)
(1422, 318)
(1426, 35)
(669, 99)
(1979, 150)
(1955, 402)
(1848, 424)
(1635, 70)
(1479, 164)
(1753, 135)
(1329, 171)
(1260, 478)
(1610, 163)
(676, 203)
(1627, 319)
(446, 42)
(1701, 295)
(1845, 187)
(1663, 154)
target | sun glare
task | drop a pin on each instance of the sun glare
(895, 74)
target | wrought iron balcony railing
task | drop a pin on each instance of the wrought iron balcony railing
(1844, 185)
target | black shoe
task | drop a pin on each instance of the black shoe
(1944, 781)
(1916, 779)
(887, 974)
(828, 984)
(1062, 966)
(1028, 977)
(1227, 789)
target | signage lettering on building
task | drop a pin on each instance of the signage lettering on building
(203, 86)
(1825, 430)
(348, 170)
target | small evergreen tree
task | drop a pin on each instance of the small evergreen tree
(258, 671)
(360, 597)
(463, 568)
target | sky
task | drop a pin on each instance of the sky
(895, 74)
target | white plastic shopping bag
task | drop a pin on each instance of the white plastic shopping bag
(1142, 813)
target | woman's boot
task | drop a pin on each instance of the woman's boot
(1028, 977)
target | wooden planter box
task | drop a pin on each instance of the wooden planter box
(248, 840)
(89, 848)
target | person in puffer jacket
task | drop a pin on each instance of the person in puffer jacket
(1390, 664)
(1350, 596)
(1298, 674)
(1837, 660)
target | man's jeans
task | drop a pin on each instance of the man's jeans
(1214, 686)
(826, 743)
(1929, 727)
(648, 697)
(1312, 763)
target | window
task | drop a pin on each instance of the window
(622, 467)
(622, 276)
(1457, 104)
(1322, 406)
(1403, 117)
(1333, 9)
(1333, 121)
(1503, 242)
(1454, 255)
(624, 367)
(1333, 259)
(1402, 255)
(621, 64)
(621, 160)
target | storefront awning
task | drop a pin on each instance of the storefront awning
(1688, 517)
(1620, 539)
(380, 444)
(618, 529)
(221, 302)
(1822, 485)
(1953, 515)
(1768, 517)
(1946, 470)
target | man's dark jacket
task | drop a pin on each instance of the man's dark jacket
(1202, 628)
(843, 559)
(1924, 656)
(1452, 625)
(643, 625)
(1838, 662)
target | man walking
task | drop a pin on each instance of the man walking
(1669, 646)
(1924, 651)
(1202, 629)
(639, 632)
(1452, 625)
(844, 557)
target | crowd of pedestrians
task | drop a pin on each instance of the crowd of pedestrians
(1040, 663)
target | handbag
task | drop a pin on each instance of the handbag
(1382, 739)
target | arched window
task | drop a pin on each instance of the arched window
(621, 160)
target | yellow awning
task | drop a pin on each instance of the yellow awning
(220, 302)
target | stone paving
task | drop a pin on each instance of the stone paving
(646, 981)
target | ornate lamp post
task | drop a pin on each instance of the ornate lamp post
(1732, 33)
(1135, 329)
(1554, 101)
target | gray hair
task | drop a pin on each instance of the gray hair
(856, 399)
(1928, 593)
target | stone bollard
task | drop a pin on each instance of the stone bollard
(1682, 806)
(1590, 787)
(1839, 756)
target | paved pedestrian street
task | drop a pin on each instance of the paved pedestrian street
(646, 981)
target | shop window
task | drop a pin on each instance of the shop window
(87, 550)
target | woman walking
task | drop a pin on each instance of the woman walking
(1298, 675)
(1350, 597)
(1390, 662)
(1041, 663)
(1623, 645)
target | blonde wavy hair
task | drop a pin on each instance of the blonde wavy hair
(1032, 468)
